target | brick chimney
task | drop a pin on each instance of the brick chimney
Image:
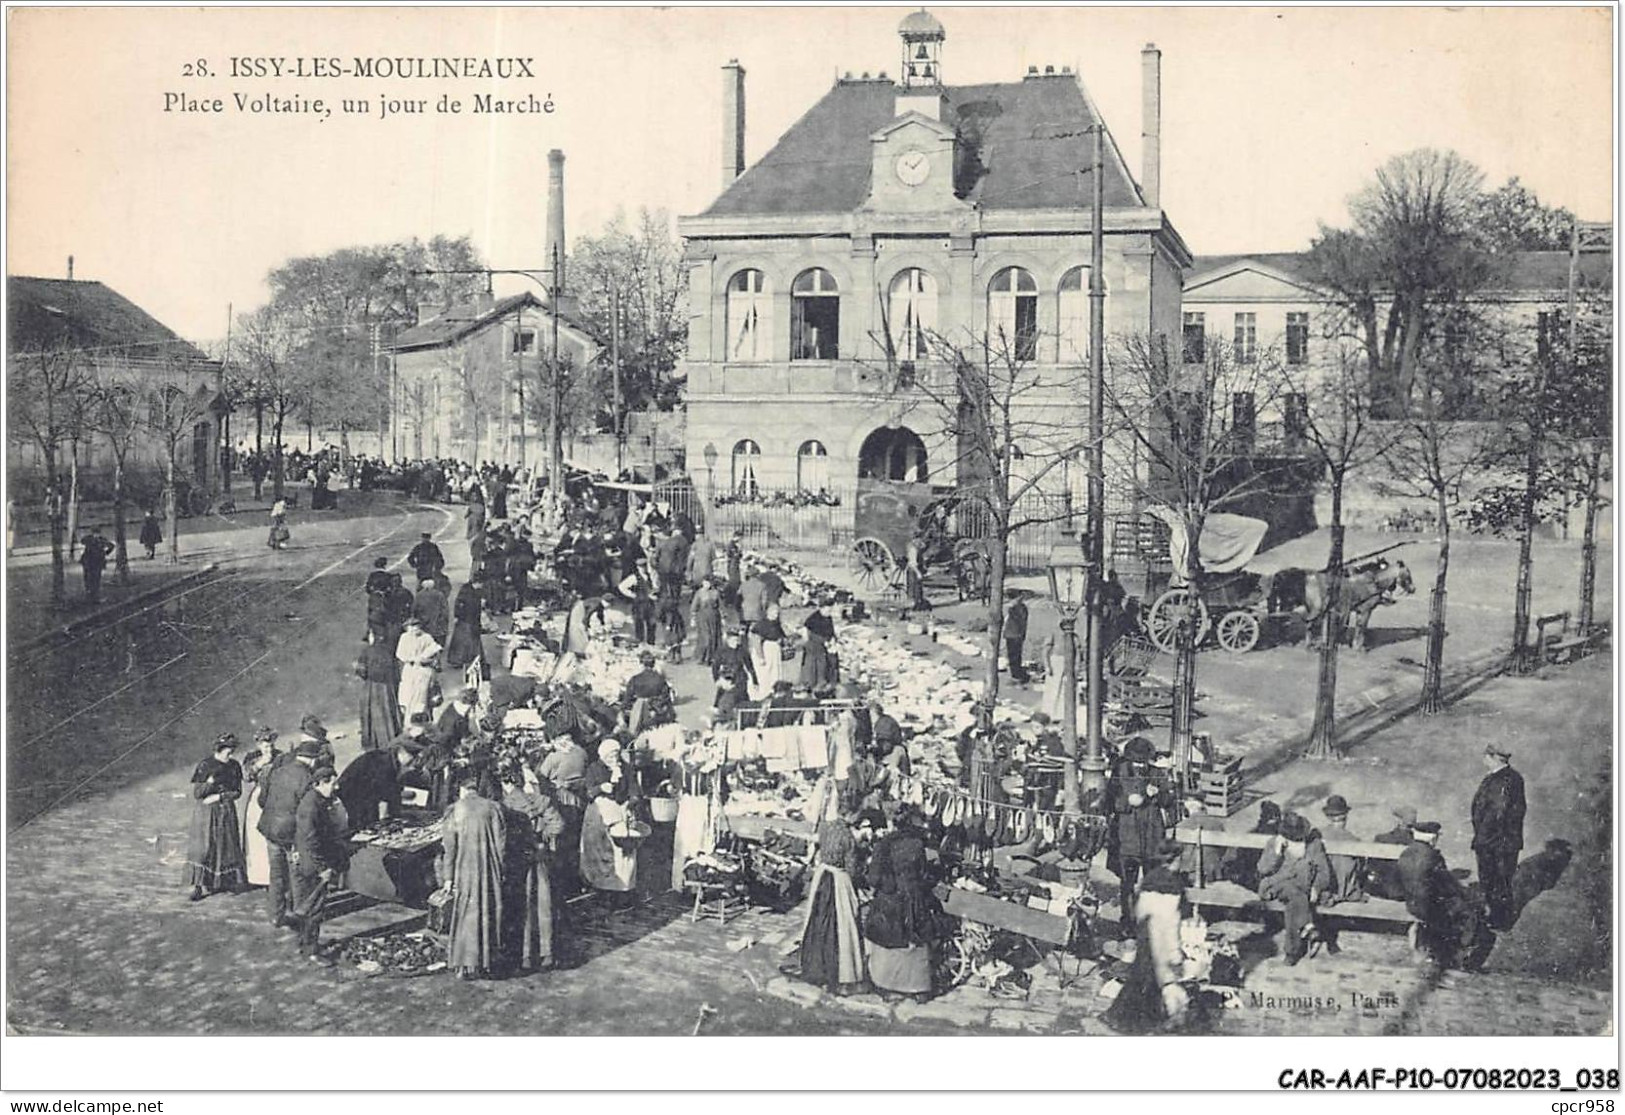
(1151, 125)
(733, 122)
(554, 244)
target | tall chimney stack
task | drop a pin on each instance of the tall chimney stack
(554, 245)
(70, 269)
(1151, 125)
(733, 122)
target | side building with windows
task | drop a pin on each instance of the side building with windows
(897, 223)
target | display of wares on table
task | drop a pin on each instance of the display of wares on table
(398, 954)
(398, 834)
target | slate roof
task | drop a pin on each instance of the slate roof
(466, 318)
(86, 314)
(823, 163)
(1525, 271)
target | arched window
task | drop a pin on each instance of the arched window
(912, 313)
(812, 467)
(747, 457)
(1074, 324)
(815, 316)
(750, 318)
(1012, 314)
(893, 454)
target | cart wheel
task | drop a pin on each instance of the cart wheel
(1162, 621)
(872, 561)
(1238, 632)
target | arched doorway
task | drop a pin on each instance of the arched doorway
(893, 454)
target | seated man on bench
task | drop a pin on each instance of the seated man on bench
(1295, 873)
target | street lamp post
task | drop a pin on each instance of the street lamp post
(1069, 588)
(1094, 773)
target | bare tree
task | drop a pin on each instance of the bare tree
(1327, 411)
(1438, 449)
(1012, 425)
(1183, 436)
(277, 378)
(46, 387)
(117, 414)
(174, 407)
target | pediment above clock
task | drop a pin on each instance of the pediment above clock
(904, 126)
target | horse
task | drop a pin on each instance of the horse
(1364, 588)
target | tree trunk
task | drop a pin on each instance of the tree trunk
(1433, 667)
(1323, 733)
(121, 546)
(1588, 548)
(997, 552)
(73, 501)
(1520, 659)
(173, 508)
(259, 449)
(276, 458)
(1183, 718)
(54, 510)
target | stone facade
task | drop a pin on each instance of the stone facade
(809, 290)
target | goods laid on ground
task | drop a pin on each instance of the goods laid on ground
(399, 954)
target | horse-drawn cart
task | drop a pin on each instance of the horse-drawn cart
(891, 516)
(1237, 604)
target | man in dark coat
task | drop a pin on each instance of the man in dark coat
(400, 607)
(426, 559)
(1384, 881)
(323, 852)
(373, 778)
(379, 581)
(279, 805)
(1498, 809)
(1297, 874)
(1015, 634)
(92, 560)
(456, 723)
(1449, 927)
(650, 686)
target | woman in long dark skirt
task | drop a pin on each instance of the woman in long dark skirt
(380, 685)
(214, 848)
(831, 954)
(901, 926)
(465, 645)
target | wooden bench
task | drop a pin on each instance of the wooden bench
(1233, 896)
(1562, 645)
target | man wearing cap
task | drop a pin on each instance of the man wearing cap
(1385, 881)
(370, 787)
(1448, 927)
(426, 559)
(322, 854)
(1296, 876)
(1498, 810)
(279, 806)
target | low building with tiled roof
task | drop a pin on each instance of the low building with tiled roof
(471, 377)
(894, 209)
(114, 341)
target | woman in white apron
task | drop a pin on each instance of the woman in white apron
(770, 663)
(256, 773)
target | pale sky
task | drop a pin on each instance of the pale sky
(1271, 118)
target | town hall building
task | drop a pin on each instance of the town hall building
(896, 223)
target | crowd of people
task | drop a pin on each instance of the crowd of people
(524, 826)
